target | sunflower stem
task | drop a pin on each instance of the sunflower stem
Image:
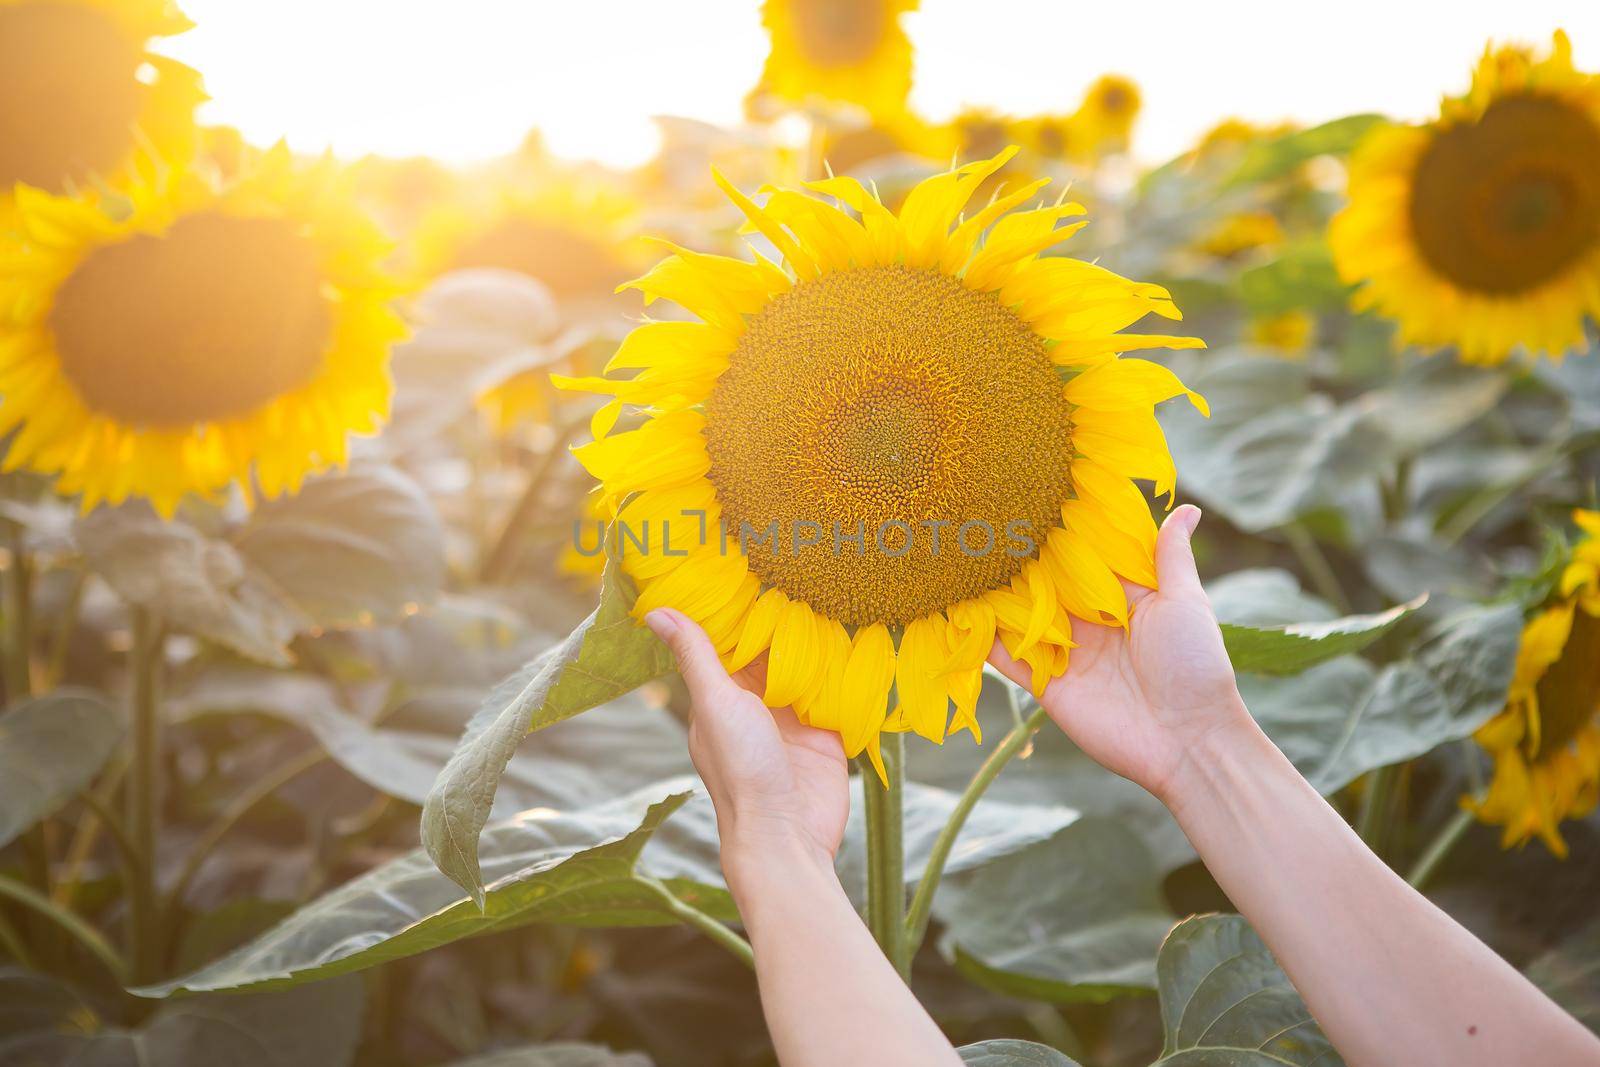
(1443, 843)
(922, 900)
(143, 803)
(82, 932)
(1377, 805)
(1316, 565)
(502, 559)
(716, 931)
(886, 883)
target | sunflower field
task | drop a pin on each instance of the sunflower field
(334, 491)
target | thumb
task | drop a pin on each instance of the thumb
(1175, 555)
(697, 658)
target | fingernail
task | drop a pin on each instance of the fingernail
(1191, 518)
(661, 623)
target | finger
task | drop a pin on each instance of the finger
(1175, 555)
(1020, 673)
(697, 657)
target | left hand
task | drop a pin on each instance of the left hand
(776, 784)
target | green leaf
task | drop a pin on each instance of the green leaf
(51, 747)
(292, 1028)
(547, 866)
(1012, 1053)
(1077, 917)
(562, 1054)
(353, 547)
(1431, 399)
(615, 748)
(1264, 597)
(606, 656)
(1570, 975)
(1343, 718)
(1272, 450)
(1303, 276)
(1291, 649)
(1274, 157)
(196, 583)
(1225, 1002)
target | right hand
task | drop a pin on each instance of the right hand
(1145, 704)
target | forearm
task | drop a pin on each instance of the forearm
(1390, 977)
(829, 994)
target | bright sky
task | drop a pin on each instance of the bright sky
(465, 79)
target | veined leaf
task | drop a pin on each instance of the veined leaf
(1225, 1002)
(1075, 918)
(558, 1054)
(1291, 649)
(1011, 1053)
(47, 1023)
(196, 583)
(352, 547)
(575, 868)
(50, 748)
(606, 656)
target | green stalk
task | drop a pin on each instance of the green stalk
(1443, 843)
(716, 931)
(886, 860)
(1316, 565)
(502, 559)
(82, 932)
(1377, 805)
(922, 900)
(144, 799)
(19, 617)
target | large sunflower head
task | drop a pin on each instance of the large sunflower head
(1546, 743)
(1481, 229)
(916, 437)
(82, 97)
(202, 336)
(848, 51)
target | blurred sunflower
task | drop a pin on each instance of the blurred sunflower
(1546, 743)
(574, 238)
(203, 336)
(851, 51)
(907, 368)
(1482, 229)
(1287, 333)
(1241, 232)
(1103, 123)
(81, 96)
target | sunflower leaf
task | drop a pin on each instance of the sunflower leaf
(556, 1054)
(196, 583)
(49, 1023)
(354, 547)
(1089, 934)
(1276, 156)
(1008, 1052)
(1225, 1002)
(606, 656)
(50, 748)
(1291, 649)
(551, 866)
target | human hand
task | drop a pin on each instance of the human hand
(781, 789)
(1149, 703)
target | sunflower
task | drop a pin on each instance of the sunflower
(82, 97)
(1103, 123)
(201, 336)
(1285, 333)
(1546, 743)
(849, 51)
(916, 438)
(1482, 229)
(575, 239)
